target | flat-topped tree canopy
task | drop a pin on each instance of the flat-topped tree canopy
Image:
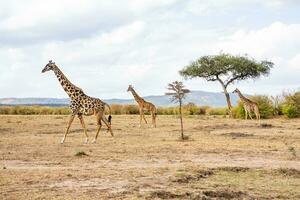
(226, 69)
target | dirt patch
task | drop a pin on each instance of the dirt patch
(81, 153)
(161, 194)
(186, 177)
(19, 164)
(233, 169)
(2, 130)
(237, 134)
(288, 172)
(264, 125)
(113, 186)
(224, 194)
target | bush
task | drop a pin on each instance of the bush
(291, 111)
(217, 111)
(203, 110)
(130, 109)
(291, 105)
(238, 111)
(191, 109)
(265, 106)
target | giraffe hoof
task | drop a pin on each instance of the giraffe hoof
(86, 141)
(62, 141)
(94, 141)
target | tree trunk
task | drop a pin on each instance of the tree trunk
(180, 115)
(229, 105)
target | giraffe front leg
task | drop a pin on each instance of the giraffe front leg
(141, 116)
(84, 128)
(144, 118)
(68, 128)
(246, 114)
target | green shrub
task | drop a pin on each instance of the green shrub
(238, 111)
(290, 110)
(291, 105)
(203, 110)
(217, 111)
(265, 106)
(130, 109)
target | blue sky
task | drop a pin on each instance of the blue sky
(103, 46)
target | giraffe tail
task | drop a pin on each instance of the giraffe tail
(109, 117)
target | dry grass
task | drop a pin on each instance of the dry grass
(223, 158)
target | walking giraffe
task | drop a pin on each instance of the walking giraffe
(249, 105)
(81, 104)
(143, 106)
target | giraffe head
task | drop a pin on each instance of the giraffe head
(235, 91)
(129, 88)
(50, 66)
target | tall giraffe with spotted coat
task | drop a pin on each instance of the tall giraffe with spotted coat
(249, 105)
(143, 106)
(81, 104)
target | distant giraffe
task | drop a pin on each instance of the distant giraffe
(81, 104)
(144, 106)
(249, 105)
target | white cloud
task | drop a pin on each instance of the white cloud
(123, 34)
(277, 42)
(102, 46)
(295, 61)
(273, 40)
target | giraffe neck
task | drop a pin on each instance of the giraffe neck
(69, 87)
(242, 97)
(136, 96)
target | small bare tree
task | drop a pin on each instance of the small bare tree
(178, 93)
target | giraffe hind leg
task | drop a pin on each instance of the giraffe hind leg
(108, 125)
(250, 114)
(153, 114)
(257, 114)
(99, 124)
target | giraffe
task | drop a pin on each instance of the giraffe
(248, 105)
(143, 106)
(81, 104)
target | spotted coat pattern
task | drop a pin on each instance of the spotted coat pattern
(249, 105)
(144, 106)
(80, 103)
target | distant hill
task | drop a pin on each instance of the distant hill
(214, 99)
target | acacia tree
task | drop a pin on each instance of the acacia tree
(178, 93)
(226, 69)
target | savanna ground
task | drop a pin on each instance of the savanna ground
(222, 159)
